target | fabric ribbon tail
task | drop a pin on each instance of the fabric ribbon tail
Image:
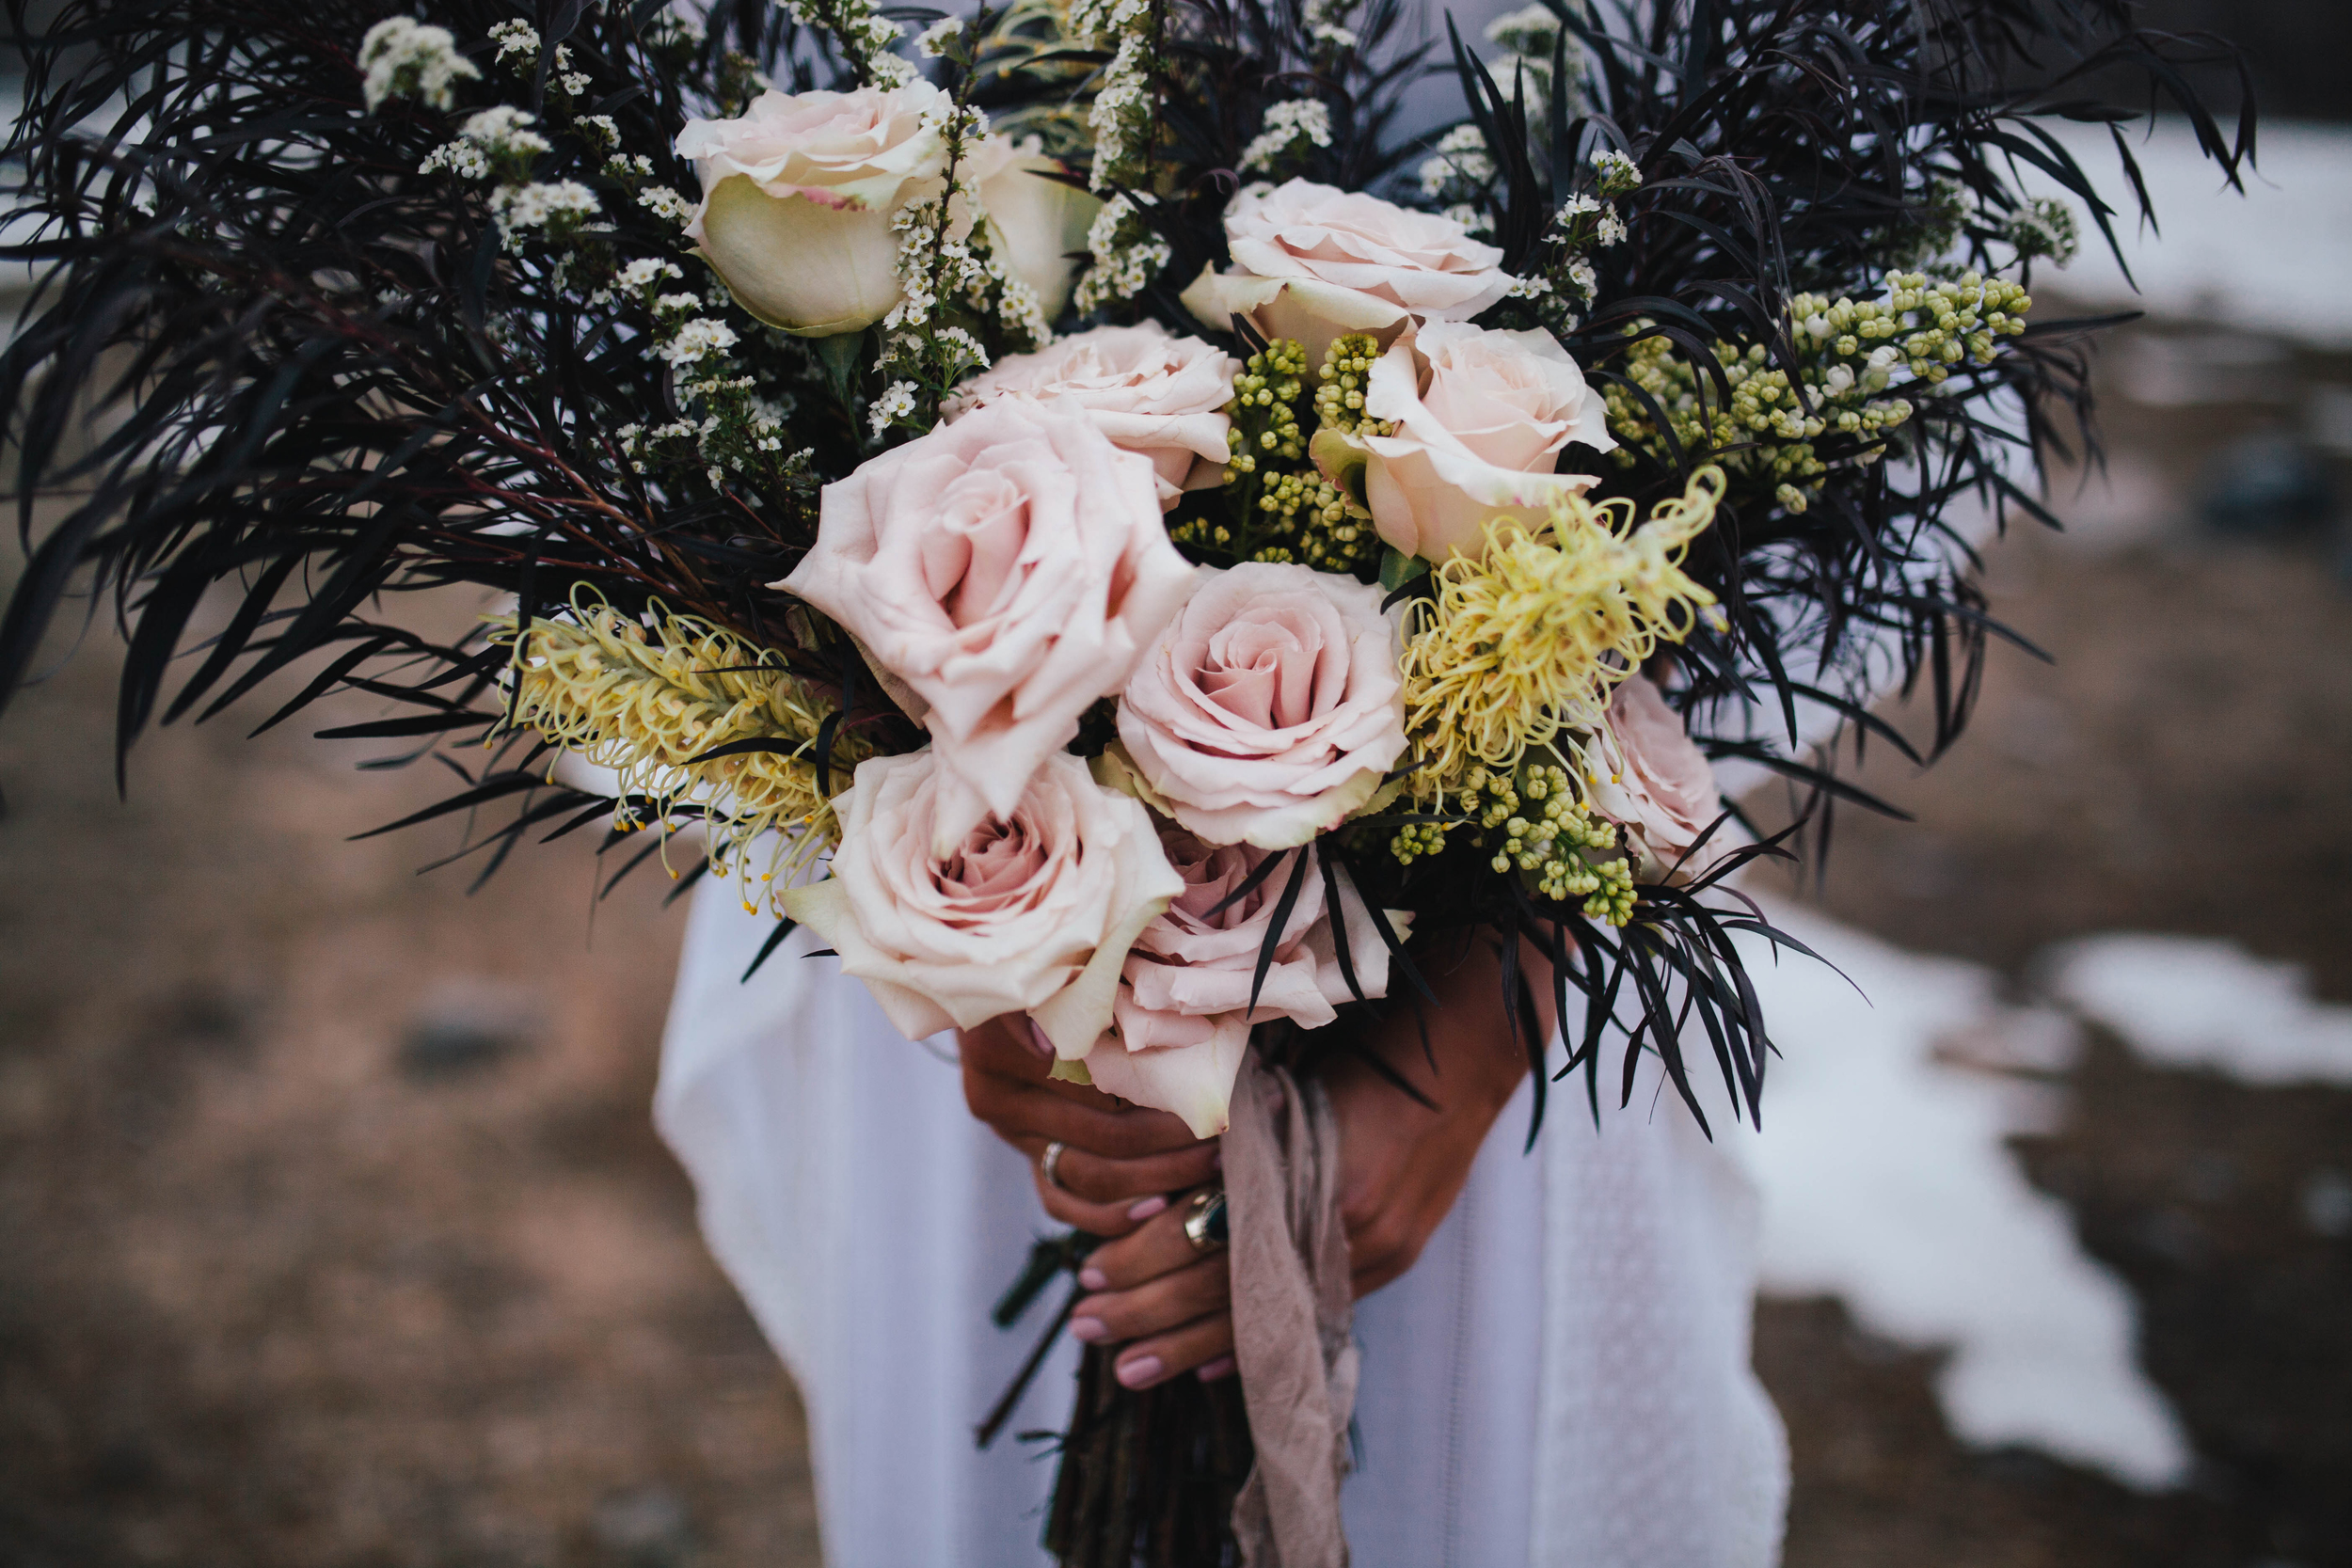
(1293, 1311)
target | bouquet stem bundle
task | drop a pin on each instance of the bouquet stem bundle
(1148, 1476)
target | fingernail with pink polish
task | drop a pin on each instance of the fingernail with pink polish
(1094, 1279)
(1148, 1208)
(1037, 1042)
(1087, 1330)
(1141, 1373)
(1220, 1368)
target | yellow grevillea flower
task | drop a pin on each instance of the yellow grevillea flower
(644, 701)
(1529, 639)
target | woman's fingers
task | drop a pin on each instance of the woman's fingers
(1020, 1104)
(1087, 1175)
(1203, 1347)
(1155, 1248)
(1095, 1219)
(1157, 1306)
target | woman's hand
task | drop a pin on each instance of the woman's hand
(1119, 1162)
(1402, 1164)
(1402, 1167)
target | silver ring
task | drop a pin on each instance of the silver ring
(1052, 1160)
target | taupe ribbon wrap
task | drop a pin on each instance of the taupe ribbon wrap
(1293, 1309)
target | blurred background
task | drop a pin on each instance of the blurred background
(333, 1231)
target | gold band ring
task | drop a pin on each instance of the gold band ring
(1204, 1220)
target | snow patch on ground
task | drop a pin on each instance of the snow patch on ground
(1886, 1182)
(2191, 1002)
(2268, 261)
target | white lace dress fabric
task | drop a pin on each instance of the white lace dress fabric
(1562, 1379)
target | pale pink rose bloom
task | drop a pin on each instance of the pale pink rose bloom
(1005, 572)
(1270, 708)
(1182, 1017)
(1481, 417)
(1312, 262)
(1153, 393)
(1659, 786)
(1032, 911)
(798, 195)
(1033, 224)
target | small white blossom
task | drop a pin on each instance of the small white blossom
(404, 57)
(1121, 267)
(695, 339)
(1123, 98)
(663, 203)
(535, 206)
(646, 273)
(1461, 155)
(965, 347)
(503, 132)
(933, 41)
(462, 158)
(2045, 228)
(1284, 125)
(897, 402)
(520, 39)
(575, 83)
(600, 128)
(1326, 23)
(1618, 172)
(1525, 32)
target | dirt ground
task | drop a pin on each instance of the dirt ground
(335, 1234)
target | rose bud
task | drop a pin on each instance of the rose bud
(798, 195)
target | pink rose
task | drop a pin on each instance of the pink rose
(1153, 393)
(1031, 911)
(1270, 709)
(798, 195)
(1311, 262)
(1182, 1018)
(1006, 570)
(1034, 223)
(1661, 788)
(1480, 418)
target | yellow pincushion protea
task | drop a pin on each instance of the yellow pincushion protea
(645, 702)
(1529, 639)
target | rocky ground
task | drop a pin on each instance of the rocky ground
(337, 1234)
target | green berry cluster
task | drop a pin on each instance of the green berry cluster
(1416, 839)
(1849, 353)
(1304, 517)
(1550, 846)
(1265, 410)
(1341, 381)
(1541, 830)
(1277, 506)
(1929, 325)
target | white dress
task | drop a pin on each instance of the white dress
(1562, 1379)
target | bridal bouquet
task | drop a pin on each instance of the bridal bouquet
(1138, 516)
